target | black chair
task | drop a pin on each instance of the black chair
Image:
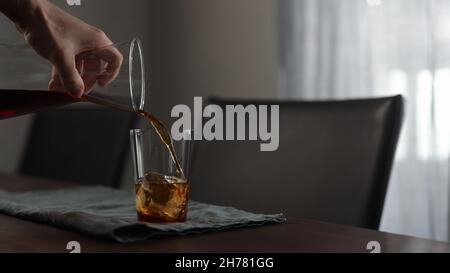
(333, 163)
(87, 145)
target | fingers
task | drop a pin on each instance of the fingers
(114, 59)
(89, 74)
(78, 75)
(108, 72)
(55, 83)
(66, 68)
(89, 71)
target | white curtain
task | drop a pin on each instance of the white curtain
(366, 48)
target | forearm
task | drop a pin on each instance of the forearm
(21, 12)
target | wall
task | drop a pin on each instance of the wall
(212, 47)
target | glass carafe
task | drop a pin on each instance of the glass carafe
(25, 78)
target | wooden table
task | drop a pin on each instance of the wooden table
(297, 235)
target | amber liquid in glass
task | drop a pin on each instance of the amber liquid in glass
(161, 198)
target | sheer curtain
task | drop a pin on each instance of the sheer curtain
(368, 48)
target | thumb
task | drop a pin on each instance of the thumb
(66, 67)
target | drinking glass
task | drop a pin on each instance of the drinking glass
(161, 192)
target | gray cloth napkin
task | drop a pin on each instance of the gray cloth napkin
(109, 213)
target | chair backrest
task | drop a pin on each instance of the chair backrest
(87, 145)
(333, 163)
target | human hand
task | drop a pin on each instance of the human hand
(81, 54)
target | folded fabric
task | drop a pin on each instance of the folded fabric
(108, 213)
